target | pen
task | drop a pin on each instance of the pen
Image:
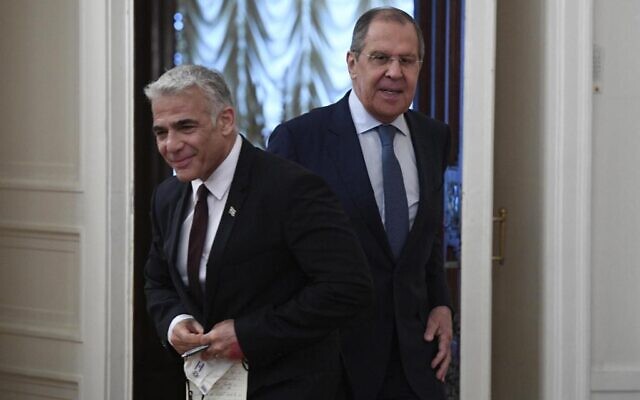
(195, 350)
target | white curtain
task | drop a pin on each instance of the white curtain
(280, 57)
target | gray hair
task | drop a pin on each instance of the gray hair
(387, 14)
(183, 77)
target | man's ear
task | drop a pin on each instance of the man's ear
(226, 120)
(351, 64)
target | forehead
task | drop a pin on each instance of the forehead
(186, 103)
(391, 36)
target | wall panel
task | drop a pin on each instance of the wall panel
(615, 361)
(39, 282)
(36, 385)
(40, 92)
(42, 219)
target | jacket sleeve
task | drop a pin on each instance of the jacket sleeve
(337, 280)
(163, 302)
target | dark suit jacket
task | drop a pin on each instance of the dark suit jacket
(285, 265)
(325, 141)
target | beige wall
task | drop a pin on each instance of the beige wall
(61, 288)
(41, 235)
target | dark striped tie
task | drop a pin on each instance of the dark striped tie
(196, 242)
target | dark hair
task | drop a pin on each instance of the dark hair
(387, 14)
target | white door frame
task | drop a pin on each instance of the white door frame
(119, 92)
(566, 303)
(477, 198)
(565, 366)
(565, 369)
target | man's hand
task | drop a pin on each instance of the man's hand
(186, 335)
(222, 342)
(439, 325)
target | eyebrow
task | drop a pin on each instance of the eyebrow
(380, 52)
(182, 122)
(176, 125)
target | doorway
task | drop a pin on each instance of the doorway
(439, 96)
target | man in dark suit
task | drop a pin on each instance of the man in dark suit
(279, 268)
(403, 351)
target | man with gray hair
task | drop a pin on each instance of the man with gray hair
(386, 164)
(252, 257)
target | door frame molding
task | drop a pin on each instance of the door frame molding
(119, 96)
(477, 198)
(566, 270)
(566, 301)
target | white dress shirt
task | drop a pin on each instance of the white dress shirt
(218, 184)
(366, 127)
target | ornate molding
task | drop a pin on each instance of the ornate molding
(32, 312)
(618, 379)
(33, 383)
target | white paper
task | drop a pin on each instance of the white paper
(232, 385)
(218, 379)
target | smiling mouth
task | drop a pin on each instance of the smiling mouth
(182, 163)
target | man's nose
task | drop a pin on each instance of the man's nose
(173, 142)
(394, 68)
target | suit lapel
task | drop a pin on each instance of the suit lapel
(425, 155)
(176, 223)
(177, 219)
(237, 194)
(344, 146)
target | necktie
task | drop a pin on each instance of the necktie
(196, 242)
(396, 211)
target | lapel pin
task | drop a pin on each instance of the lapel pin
(232, 211)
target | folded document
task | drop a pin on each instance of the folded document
(217, 378)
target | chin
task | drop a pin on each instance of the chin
(389, 118)
(184, 177)
(391, 112)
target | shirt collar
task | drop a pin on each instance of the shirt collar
(219, 181)
(365, 122)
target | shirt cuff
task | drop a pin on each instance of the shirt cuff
(175, 321)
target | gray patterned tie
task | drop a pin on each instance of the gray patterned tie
(396, 211)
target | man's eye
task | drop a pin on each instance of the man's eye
(380, 58)
(407, 60)
(186, 127)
